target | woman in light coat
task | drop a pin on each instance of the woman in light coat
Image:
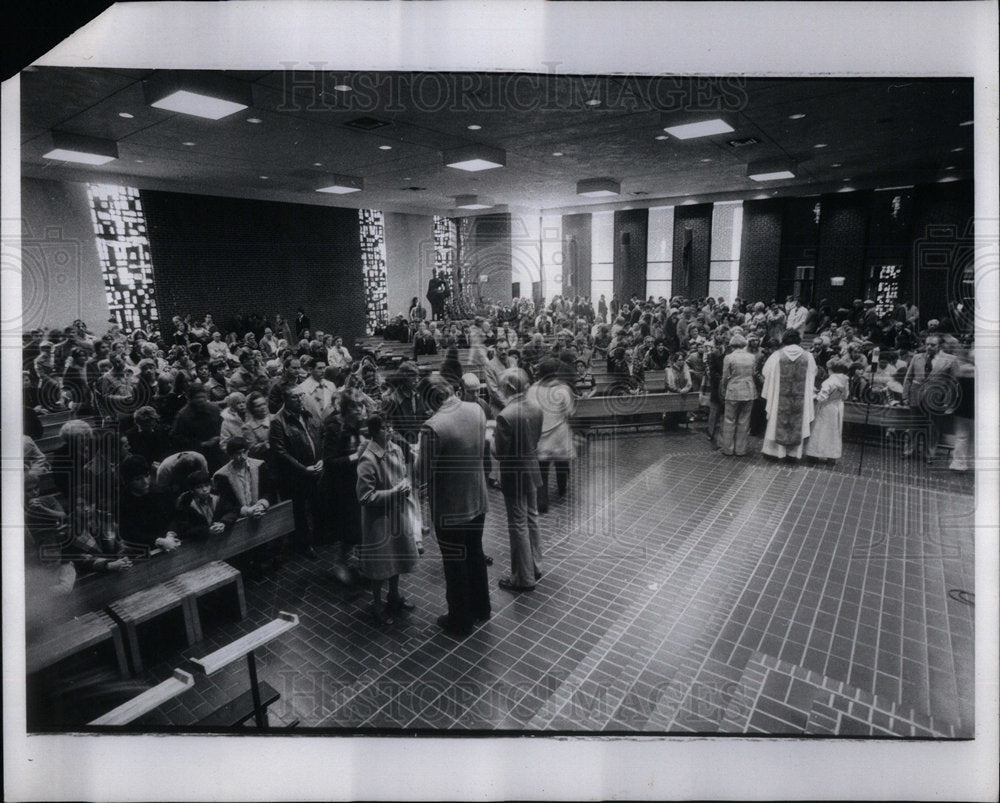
(825, 437)
(389, 515)
(557, 401)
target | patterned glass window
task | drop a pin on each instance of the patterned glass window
(883, 287)
(123, 248)
(373, 264)
(446, 251)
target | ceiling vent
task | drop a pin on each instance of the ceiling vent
(366, 123)
(742, 143)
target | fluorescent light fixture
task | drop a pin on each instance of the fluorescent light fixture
(948, 179)
(126, 115)
(776, 175)
(342, 88)
(474, 158)
(770, 170)
(342, 185)
(967, 122)
(385, 147)
(598, 187)
(699, 128)
(81, 149)
(798, 116)
(837, 281)
(209, 95)
(473, 202)
(473, 127)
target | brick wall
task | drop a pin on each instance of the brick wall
(697, 218)
(229, 256)
(576, 255)
(843, 231)
(760, 250)
(631, 232)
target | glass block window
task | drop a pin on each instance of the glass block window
(446, 253)
(123, 249)
(883, 287)
(373, 264)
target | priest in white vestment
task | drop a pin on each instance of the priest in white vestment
(789, 377)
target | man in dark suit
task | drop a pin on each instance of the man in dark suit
(519, 427)
(294, 452)
(452, 442)
(302, 323)
(931, 384)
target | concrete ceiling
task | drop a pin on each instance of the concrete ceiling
(875, 132)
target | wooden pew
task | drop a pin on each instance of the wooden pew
(885, 416)
(630, 410)
(96, 591)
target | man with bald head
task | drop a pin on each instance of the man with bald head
(519, 427)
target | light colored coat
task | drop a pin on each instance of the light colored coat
(737, 383)
(388, 520)
(557, 403)
(452, 444)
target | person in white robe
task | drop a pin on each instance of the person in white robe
(789, 378)
(825, 440)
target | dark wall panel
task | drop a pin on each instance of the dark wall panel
(231, 256)
(631, 229)
(843, 232)
(692, 250)
(942, 247)
(576, 232)
(800, 227)
(760, 249)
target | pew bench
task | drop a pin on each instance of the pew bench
(630, 410)
(144, 606)
(73, 638)
(195, 584)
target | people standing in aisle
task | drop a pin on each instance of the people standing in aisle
(493, 371)
(388, 515)
(451, 458)
(294, 441)
(932, 385)
(519, 428)
(343, 445)
(826, 436)
(738, 390)
(789, 378)
(557, 402)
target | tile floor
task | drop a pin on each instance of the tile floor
(683, 592)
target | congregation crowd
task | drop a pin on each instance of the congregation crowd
(173, 438)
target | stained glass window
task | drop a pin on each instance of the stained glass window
(373, 264)
(446, 252)
(123, 249)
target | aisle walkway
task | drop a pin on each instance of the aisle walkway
(683, 592)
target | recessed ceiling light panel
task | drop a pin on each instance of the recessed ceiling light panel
(342, 185)
(699, 128)
(775, 175)
(473, 202)
(598, 187)
(209, 95)
(474, 158)
(81, 149)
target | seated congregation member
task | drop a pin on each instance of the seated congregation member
(825, 437)
(519, 427)
(93, 544)
(789, 378)
(295, 443)
(389, 518)
(556, 401)
(74, 380)
(199, 513)
(343, 445)
(242, 483)
(737, 389)
(257, 427)
(36, 464)
(145, 514)
(423, 342)
(172, 474)
(233, 419)
(198, 425)
(452, 444)
(216, 385)
(70, 458)
(250, 376)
